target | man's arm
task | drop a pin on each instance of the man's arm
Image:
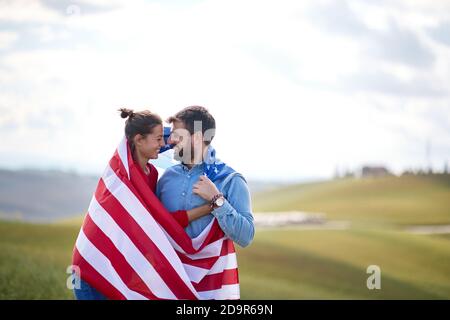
(235, 216)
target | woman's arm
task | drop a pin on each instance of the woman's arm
(183, 217)
(198, 212)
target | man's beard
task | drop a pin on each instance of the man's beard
(178, 155)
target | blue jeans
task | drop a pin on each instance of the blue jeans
(86, 292)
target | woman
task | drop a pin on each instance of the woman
(144, 133)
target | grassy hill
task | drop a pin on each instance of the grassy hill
(33, 260)
(403, 200)
(319, 264)
(287, 264)
(53, 195)
(49, 195)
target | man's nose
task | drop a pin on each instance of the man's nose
(172, 140)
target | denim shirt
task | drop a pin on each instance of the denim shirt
(174, 189)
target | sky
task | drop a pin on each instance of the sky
(299, 89)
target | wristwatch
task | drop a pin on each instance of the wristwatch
(217, 201)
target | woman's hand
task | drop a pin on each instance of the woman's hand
(205, 188)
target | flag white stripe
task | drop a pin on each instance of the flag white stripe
(152, 229)
(224, 263)
(123, 154)
(103, 266)
(196, 274)
(211, 250)
(228, 291)
(169, 247)
(200, 239)
(131, 253)
(196, 242)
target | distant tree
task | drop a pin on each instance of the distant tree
(408, 172)
(349, 174)
(372, 171)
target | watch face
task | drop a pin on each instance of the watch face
(219, 202)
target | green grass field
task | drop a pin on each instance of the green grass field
(288, 264)
(407, 200)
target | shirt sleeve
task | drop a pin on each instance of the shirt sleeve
(235, 216)
(181, 217)
(158, 188)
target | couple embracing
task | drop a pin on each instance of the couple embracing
(166, 238)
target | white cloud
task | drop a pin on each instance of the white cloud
(272, 79)
(7, 39)
(26, 11)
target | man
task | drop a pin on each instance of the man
(201, 178)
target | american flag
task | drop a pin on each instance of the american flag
(130, 247)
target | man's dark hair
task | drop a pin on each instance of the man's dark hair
(192, 114)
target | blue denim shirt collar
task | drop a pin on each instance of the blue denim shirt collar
(211, 166)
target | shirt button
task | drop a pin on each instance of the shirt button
(183, 194)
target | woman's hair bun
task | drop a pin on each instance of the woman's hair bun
(126, 113)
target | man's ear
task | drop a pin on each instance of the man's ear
(198, 137)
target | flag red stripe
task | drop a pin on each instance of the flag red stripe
(207, 263)
(216, 281)
(145, 245)
(153, 252)
(141, 190)
(214, 234)
(157, 210)
(126, 272)
(95, 279)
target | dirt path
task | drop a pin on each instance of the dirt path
(317, 221)
(296, 220)
(436, 229)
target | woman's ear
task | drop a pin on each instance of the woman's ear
(137, 139)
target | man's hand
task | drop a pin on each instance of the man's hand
(205, 188)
